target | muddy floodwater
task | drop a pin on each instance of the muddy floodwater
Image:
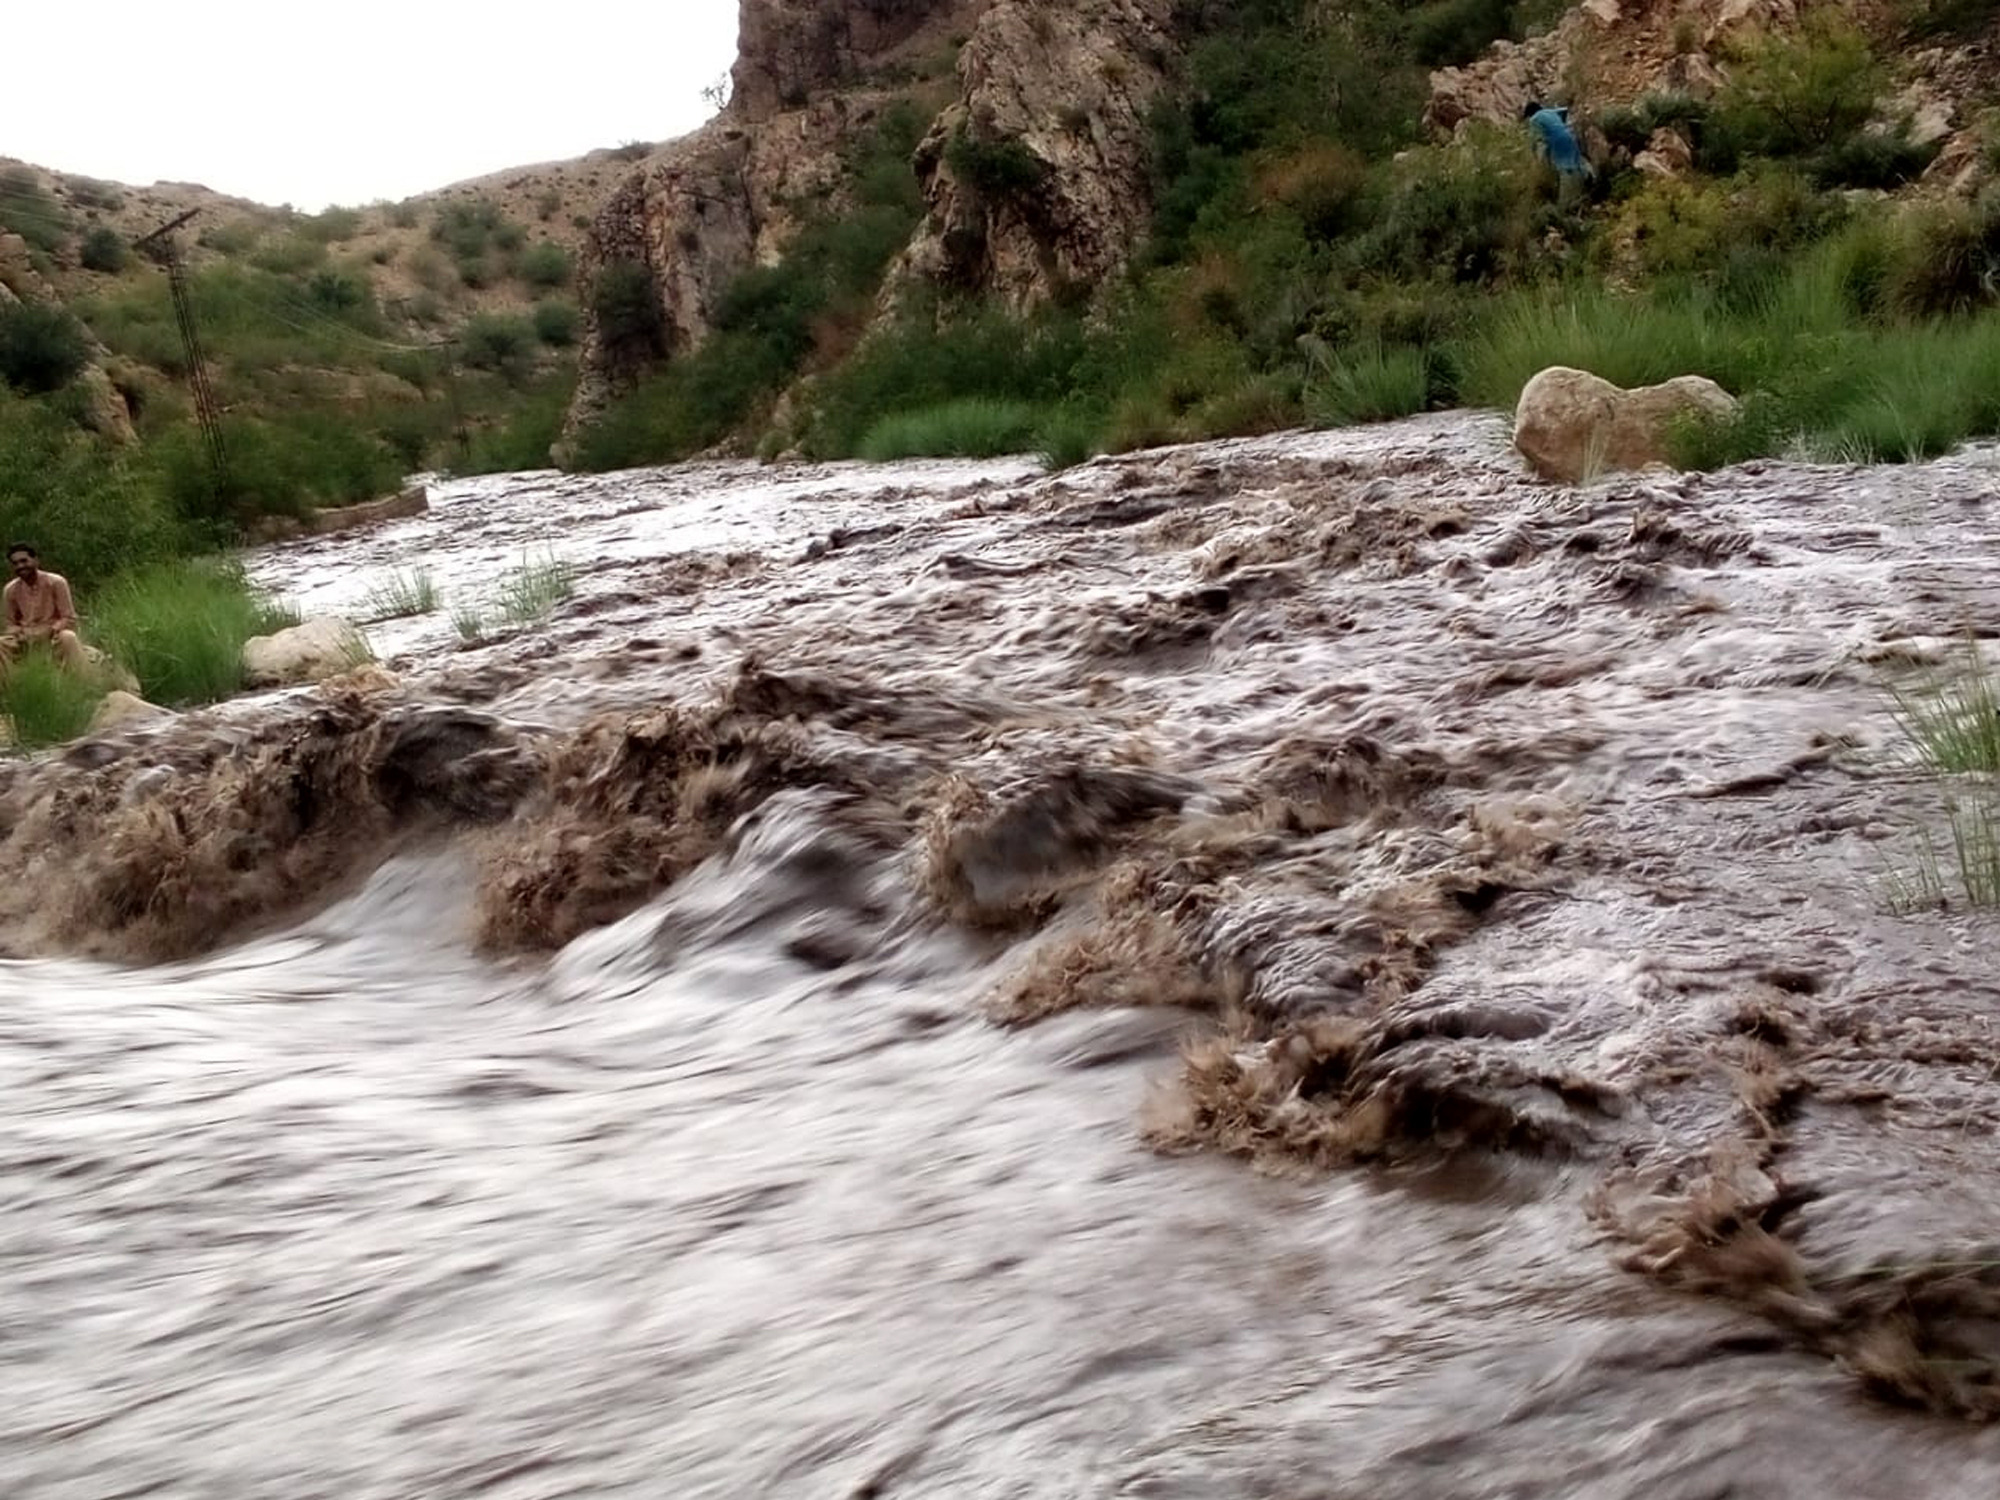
(1301, 968)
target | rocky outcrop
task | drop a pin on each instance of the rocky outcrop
(1037, 177)
(313, 651)
(103, 408)
(788, 51)
(1572, 425)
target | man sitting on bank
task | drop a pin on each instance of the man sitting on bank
(39, 608)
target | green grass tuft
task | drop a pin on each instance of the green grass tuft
(1372, 384)
(974, 427)
(180, 628)
(400, 595)
(43, 704)
(535, 588)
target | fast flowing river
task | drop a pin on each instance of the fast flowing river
(1304, 968)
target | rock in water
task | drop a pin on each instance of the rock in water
(313, 651)
(1571, 424)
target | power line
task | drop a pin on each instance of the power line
(161, 246)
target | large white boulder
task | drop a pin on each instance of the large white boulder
(1572, 425)
(311, 651)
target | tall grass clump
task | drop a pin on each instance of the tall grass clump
(975, 427)
(180, 628)
(403, 593)
(1372, 384)
(535, 588)
(1950, 717)
(43, 704)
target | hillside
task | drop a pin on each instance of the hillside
(970, 225)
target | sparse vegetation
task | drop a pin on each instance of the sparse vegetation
(405, 592)
(103, 250)
(555, 323)
(41, 704)
(972, 427)
(1950, 722)
(537, 586)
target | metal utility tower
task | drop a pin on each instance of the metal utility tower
(160, 247)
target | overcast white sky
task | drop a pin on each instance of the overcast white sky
(352, 100)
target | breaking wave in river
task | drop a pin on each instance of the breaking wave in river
(796, 1022)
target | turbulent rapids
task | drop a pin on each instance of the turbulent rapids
(1313, 966)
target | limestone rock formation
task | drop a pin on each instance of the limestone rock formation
(790, 50)
(312, 651)
(1571, 425)
(1037, 177)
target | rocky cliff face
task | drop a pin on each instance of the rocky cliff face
(1035, 174)
(1037, 177)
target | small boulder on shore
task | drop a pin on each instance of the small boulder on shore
(120, 708)
(311, 651)
(1571, 425)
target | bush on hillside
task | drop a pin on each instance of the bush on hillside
(1630, 126)
(555, 323)
(499, 342)
(1001, 168)
(333, 225)
(627, 306)
(337, 291)
(74, 496)
(104, 250)
(1461, 212)
(1794, 95)
(1944, 259)
(42, 348)
(546, 264)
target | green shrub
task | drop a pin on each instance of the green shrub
(465, 227)
(555, 323)
(180, 628)
(973, 427)
(104, 250)
(46, 465)
(42, 348)
(1068, 436)
(1002, 167)
(337, 291)
(522, 439)
(627, 306)
(1450, 33)
(535, 588)
(1372, 384)
(1794, 94)
(547, 204)
(1944, 259)
(333, 225)
(500, 342)
(43, 704)
(1631, 126)
(292, 255)
(1462, 211)
(233, 238)
(403, 215)
(546, 264)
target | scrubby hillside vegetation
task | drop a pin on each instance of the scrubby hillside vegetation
(1786, 214)
(1240, 217)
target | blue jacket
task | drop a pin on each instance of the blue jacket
(1554, 141)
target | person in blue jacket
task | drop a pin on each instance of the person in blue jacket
(1556, 144)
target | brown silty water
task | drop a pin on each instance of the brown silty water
(1309, 967)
